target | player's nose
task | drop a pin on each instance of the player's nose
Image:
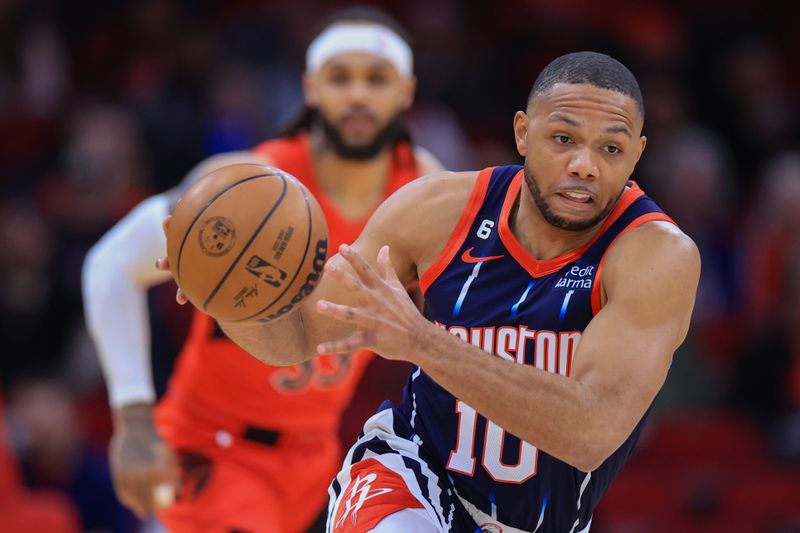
(583, 165)
(358, 92)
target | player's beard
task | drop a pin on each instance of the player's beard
(387, 136)
(558, 221)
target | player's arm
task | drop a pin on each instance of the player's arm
(434, 199)
(117, 272)
(649, 278)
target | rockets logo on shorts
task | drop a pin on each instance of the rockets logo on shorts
(374, 492)
(360, 491)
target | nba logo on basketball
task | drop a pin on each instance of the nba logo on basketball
(266, 271)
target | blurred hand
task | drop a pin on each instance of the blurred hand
(144, 468)
(162, 263)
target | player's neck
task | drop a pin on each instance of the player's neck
(356, 187)
(541, 239)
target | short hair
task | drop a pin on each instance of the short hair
(591, 68)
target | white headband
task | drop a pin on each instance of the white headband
(370, 38)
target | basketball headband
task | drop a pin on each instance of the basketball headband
(370, 38)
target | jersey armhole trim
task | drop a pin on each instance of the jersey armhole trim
(643, 219)
(460, 232)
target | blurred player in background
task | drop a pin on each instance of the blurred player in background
(240, 445)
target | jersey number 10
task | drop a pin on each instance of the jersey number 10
(462, 459)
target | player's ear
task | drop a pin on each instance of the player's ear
(521, 132)
(642, 145)
(408, 89)
(310, 90)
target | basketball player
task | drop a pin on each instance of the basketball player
(256, 446)
(576, 284)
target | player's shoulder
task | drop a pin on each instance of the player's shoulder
(436, 190)
(424, 210)
(654, 248)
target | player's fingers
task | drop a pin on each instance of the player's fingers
(162, 263)
(171, 472)
(385, 267)
(163, 495)
(344, 277)
(127, 494)
(359, 340)
(143, 493)
(180, 297)
(344, 313)
(165, 223)
(365, 272)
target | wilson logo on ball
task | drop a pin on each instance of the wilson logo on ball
(308, 286)
(217, 236)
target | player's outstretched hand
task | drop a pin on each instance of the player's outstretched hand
(386, 319)
(143, 466)
(162, 263)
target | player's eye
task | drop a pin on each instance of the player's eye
(611, 149)
(562, 139)
(339, 78)
(378, 79)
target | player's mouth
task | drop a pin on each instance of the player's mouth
(359, 122)
(577, 197)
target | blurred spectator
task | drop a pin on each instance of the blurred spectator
(23, 510)
(52, 454)
(768, 379)
(689, 170)
(36, 309)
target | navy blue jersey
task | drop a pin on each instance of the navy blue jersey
(487, 290)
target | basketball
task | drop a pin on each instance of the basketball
(247, 243)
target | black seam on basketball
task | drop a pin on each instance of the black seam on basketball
(247, 244)
(299, 266)
(200, 213)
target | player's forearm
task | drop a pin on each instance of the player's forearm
(558, 415)
(116, 274)
(278, 343)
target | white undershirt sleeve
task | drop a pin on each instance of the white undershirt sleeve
(116, 275)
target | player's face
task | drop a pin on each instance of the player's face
(580, 145)
(359, 97)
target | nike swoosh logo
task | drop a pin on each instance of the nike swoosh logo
(467, 257)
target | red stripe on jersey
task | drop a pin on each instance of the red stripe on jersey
(460, 232)
(538, 268)
(596, 289)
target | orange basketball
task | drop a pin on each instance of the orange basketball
(247, 243)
